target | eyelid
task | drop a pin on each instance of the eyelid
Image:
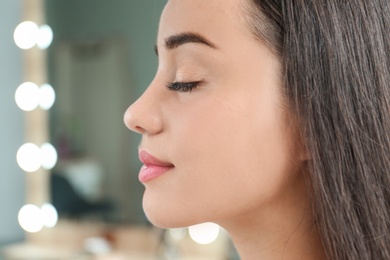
(181, 86)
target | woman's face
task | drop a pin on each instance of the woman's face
(214, 115)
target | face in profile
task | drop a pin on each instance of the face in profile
(217, 136)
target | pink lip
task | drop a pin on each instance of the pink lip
(152, 167)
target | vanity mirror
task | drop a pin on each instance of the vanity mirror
(101, 59)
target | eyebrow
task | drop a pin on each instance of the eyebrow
(176, 40)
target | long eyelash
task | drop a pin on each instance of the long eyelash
(182, 86)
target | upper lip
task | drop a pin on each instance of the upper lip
(148, 159)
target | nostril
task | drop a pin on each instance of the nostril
(138, 129)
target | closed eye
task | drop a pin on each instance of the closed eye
(182, 86)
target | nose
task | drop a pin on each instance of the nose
(144, 115)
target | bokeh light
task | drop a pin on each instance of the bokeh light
(47, 96)
(30, 218)
(204, 233)
(48, 156)
(49, 214)
(45, 36)
(29, 157)
(26, 35)
(27, 96)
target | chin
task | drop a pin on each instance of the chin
(165, 217)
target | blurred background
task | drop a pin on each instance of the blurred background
(100, 61)
(69, 187)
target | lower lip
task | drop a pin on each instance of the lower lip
(150, 172)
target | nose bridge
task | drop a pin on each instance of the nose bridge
(144, 115)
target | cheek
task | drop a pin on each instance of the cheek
(228, 160)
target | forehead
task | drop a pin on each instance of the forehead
(218, 19)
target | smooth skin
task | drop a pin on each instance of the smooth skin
(237, 160)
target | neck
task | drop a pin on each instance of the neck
(283, 230)
(300, 242)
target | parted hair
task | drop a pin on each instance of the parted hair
(336, 79)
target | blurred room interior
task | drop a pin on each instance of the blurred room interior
(82, 199)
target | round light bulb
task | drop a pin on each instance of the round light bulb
(50, 215)
(205, 233)
(29, 157)
(45, 36)
(26, 35)
(48, 156)
(30, 218)
(47, 96)
(27, 96)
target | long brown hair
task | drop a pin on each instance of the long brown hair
(335, 56)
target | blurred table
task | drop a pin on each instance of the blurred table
(67, 241)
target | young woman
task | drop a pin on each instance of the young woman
(271, 118)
